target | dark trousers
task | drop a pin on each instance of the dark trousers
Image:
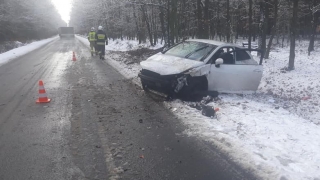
(101, 49)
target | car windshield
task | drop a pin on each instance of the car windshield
(191, 50)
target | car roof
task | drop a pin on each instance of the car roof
(213, 42)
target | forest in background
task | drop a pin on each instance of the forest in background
(22, 20)
(267, 22)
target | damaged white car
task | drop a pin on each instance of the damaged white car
(202, 65)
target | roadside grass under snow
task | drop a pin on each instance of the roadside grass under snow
(274, 132)
(20, 51)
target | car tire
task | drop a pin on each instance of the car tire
(144, 86)
(195, 84)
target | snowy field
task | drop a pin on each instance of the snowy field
(20, 51)
(274, 132)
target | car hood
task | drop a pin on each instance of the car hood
(167, 65)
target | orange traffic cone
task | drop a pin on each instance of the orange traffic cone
(42, 94)
(74, 57)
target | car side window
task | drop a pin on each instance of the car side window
(243, 58)
(242, 55)
(227, 55)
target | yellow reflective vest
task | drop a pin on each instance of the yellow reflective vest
(92, 36)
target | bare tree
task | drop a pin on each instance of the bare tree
(250, 23)
(293, 32)
(274, 28)
(314, 9)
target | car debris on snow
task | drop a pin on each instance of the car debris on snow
(208, 111)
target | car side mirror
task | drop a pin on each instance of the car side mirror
(219, 61)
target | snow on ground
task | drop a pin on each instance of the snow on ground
(274, 142)
(124, 45)
(20, 51)
(301, 86)
(274, 132)
(127, 45)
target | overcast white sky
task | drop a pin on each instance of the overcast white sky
(64, 8)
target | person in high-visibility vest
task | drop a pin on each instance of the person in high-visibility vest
(102, 41)
(92, 39)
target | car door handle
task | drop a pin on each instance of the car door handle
(257, 71)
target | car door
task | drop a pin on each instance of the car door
(237, 77)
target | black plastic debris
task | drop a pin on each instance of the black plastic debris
(208, 111)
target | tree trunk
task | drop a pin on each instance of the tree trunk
(163, 29)
(293, 32)
(264, 13)
(250, 24)
(146, 19)
(228, 21)
(172, 20)
(199, 20)
(274, 29)
(313, 30)
(168, 23)
(206, 19)
(137, 25)
(218, 26)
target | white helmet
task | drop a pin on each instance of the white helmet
(92, 29)
(100, 27)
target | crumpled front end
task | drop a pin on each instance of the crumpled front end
(168, 84)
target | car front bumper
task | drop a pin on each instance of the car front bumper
(156, 82)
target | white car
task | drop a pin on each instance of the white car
(202, 65)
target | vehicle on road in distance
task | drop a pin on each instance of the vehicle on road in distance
(202, 65)
(66, 32)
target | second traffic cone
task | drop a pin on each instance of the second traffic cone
(74, 57)
(42, 94)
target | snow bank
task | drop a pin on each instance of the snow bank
(83, 40)
(128, 45)
(268, 133)
(15, 53)
(123, 45)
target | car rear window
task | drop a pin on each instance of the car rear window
(191, 50)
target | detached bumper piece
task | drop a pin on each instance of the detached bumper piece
(181, 81)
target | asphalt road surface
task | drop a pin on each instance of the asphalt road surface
(97, 126)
